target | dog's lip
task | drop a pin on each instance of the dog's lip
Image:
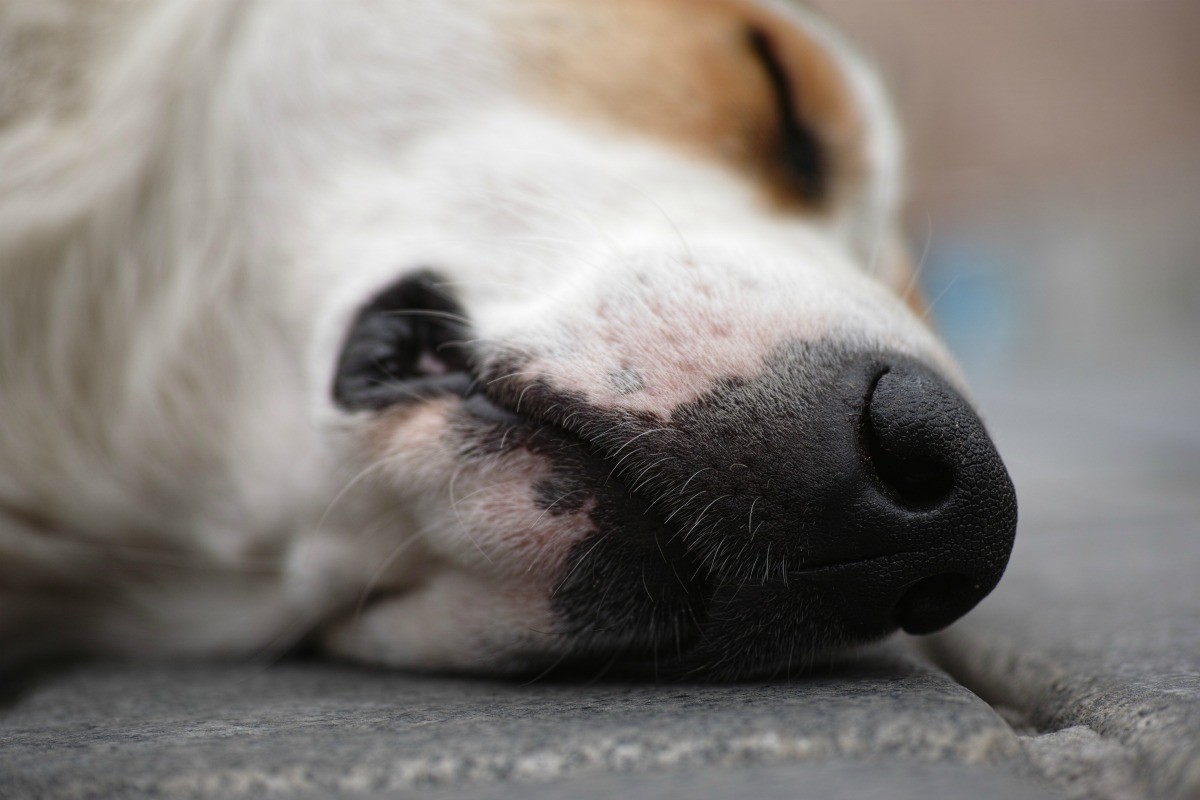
(503, 402)
(484, 408)
(532, 400)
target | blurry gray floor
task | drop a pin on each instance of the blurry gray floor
(1079, 677)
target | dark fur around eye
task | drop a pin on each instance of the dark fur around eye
(407, 343)
(801, 152)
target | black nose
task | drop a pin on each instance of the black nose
(941, 484)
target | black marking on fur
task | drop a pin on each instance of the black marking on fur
(404, 345)
(801, 150)
(626, 381)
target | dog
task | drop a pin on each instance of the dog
(486, 336)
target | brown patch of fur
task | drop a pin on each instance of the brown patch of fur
(685, 71)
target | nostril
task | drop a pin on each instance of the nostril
(933, 603)
(911, 476)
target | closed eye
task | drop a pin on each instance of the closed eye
(799, 150)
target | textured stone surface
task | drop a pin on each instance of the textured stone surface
(1094, 634)
(1085, 764)
(838, 780)
(326, 730)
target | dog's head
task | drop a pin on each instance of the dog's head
(627, 361)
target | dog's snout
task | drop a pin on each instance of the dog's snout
(835, 497)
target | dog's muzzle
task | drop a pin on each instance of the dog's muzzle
(834, 498)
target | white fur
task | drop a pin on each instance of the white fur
(184, 243)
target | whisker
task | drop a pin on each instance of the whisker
(426, 312)
(915, 278)
(949, 285)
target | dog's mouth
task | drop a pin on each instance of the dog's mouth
(824, 502)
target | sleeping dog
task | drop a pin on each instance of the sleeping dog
(484, 336)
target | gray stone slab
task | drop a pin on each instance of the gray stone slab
(327, 730)
(1093, 636)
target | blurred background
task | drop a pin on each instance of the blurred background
(1054, 190)
(1055, 175)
